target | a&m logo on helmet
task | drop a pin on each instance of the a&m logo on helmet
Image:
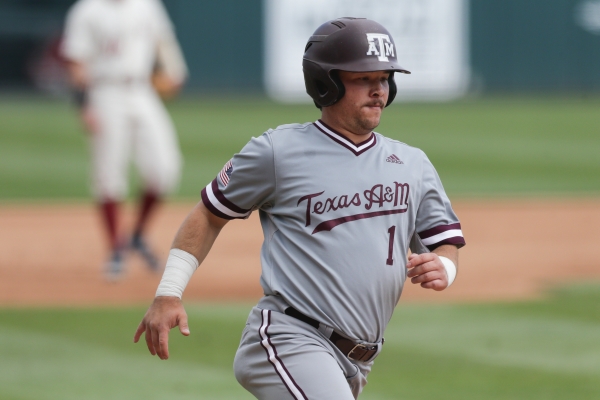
(380, 45)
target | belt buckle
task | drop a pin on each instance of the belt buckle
(362, 346)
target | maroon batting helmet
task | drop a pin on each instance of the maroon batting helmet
(347, 44)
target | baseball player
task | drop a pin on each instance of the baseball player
(340, 207)
(115, 50)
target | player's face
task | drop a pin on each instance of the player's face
(359, 111)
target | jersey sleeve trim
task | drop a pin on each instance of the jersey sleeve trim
(216, 202)
(443, 234)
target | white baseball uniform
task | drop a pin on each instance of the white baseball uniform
(119, 42)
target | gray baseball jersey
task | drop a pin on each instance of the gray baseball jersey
(338, 220)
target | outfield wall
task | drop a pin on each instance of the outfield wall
(510, 45)
(530, 45)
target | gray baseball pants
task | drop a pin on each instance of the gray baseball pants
(281, 358)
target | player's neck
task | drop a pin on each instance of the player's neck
(355, 135)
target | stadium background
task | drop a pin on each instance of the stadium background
(518, 153)
(515, 46)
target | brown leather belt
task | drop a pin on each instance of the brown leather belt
(121, 81)
(357, 352)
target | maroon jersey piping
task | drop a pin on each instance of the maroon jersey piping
(340, 139)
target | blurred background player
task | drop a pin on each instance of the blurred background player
(122, 57)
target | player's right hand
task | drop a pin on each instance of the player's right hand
(164, 314)
(89, 120)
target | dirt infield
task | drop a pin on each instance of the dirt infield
(53, 254)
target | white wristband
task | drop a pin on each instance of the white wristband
(450, 269)
(178, 272)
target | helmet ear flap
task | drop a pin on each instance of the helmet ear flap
(335, 77)
(393, 89)
(323, 87)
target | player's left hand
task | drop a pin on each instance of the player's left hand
(166, 87)
(428, 270)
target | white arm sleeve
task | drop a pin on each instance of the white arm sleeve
(169, 55)
(77, 43)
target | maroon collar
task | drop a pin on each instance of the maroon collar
(339, 138)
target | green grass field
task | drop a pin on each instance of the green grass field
(486, 147)
(536, 350)
(481, 147)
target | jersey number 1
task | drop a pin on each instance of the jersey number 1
(392, 232)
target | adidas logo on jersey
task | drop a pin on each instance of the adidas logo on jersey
(394, 159)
